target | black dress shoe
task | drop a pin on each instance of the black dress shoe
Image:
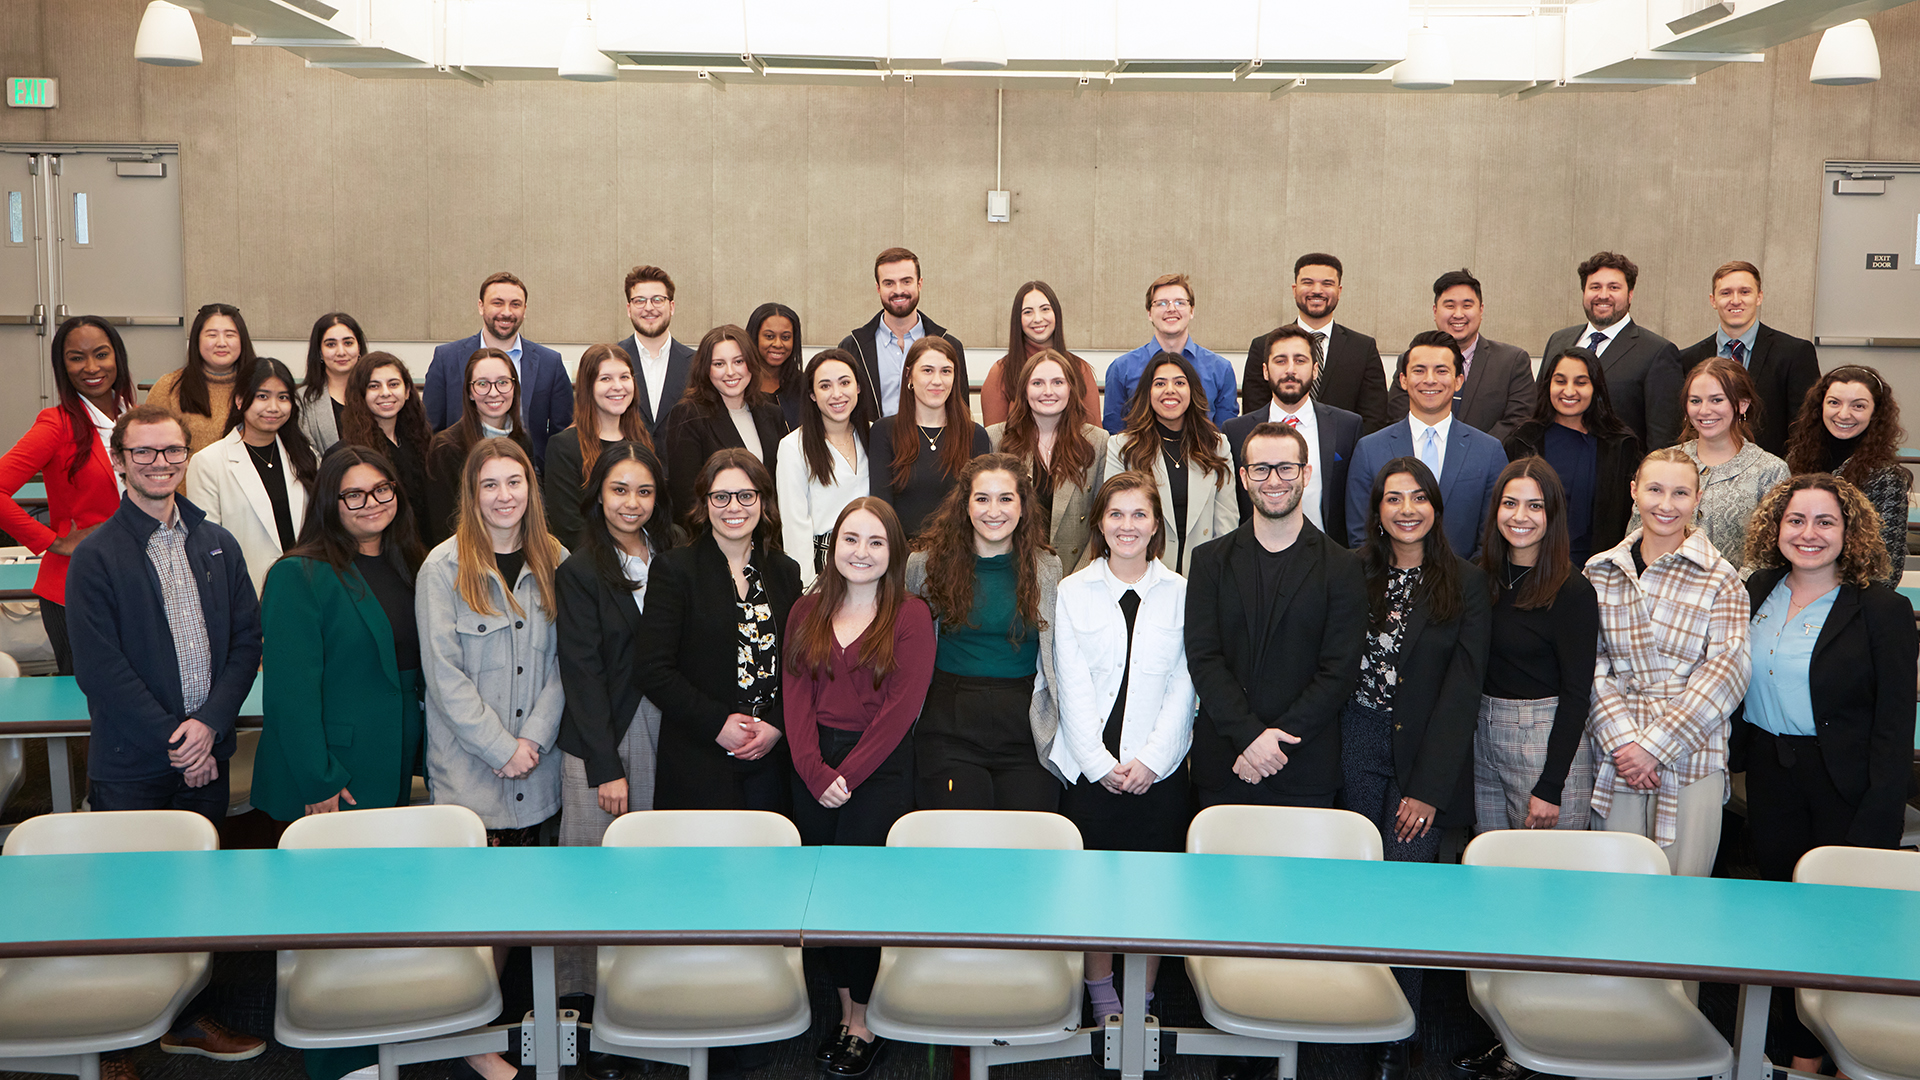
(1239, 1068)
(1505, 1069)
(1471, 1065)
(830, 1046)
(856, 1056)
(598, 1066)
(1390, 1062)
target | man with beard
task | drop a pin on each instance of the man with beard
(1350, 376)
(659, 362)
(1496, 392)
(546, 394)
(1276, 618)
(1642, 368)
(883, 342)
(1289, 375)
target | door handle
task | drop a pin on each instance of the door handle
(60, 313)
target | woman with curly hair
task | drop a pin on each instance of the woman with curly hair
(1592, 451)
(1170, 436)
(1850, 427)
(983, 739)
(1826, 728)
(1065, 454)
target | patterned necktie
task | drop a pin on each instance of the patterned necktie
(1291, 421)
(1738, 350)
(1430, 452)
(1594, 342)
(1319, 361)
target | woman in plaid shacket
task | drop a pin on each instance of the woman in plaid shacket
(1672, 665)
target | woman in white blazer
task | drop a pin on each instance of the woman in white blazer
(255, 482)
(1170, 436)
(822, 464)
(1126, 699)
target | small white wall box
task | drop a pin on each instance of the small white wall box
(999, 206)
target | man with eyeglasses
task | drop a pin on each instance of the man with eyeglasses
(1292, 364)
(883, 342)
(660, 363)
(546, 394)
(166, 643)
(1170, 308)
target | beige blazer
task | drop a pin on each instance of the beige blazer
(1070, 530)
(223, 482)
(1212, 509)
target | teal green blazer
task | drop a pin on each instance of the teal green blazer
(339, 714)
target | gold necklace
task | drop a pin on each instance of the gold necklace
(933, 440)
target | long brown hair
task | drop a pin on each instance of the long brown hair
(813, 424)
(1863, 555)
(959, 429)
(475, 546)
(1072, 453)
(1439, 581)
(470, 429)
(767, 532)
(1199, 439)
(191, 391)
(357, 423)
(1877, 447)
(948, 542)
(1017, 346)
(1738, 386)
(700, 390)
(1556, 558)
(586, 421)
(810, 642)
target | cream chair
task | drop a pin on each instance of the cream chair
(1591, 1025)
(1007, 1004)
(416, 1004)
(673, 1003)
(1269, 1007)
(1871, 1036)
(58, 1014)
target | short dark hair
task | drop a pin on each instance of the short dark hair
(894, 255)
(1267, 429)
(1318, 258)
(1451, 278)
(1292, 330)
(1433, 339)
(151, 412)
(498, 277)
(1609, 260)
(646, 273)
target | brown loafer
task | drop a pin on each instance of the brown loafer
(209, 1038)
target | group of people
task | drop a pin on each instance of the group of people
(725, 577)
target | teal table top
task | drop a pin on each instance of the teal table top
(16, 579)
(54, 705)
(35, 492)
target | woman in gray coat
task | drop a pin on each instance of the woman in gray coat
(489, 653)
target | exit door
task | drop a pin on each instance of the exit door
(87, 229)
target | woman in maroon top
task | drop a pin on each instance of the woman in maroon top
(859, 659)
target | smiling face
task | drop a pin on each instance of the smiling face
(994, 508)
(728, 371)
(373, 517)
(1458, 312)
(733, 522)
(1037, 317)
(271, 405)
(628, 496)
(159, 479)
(1169, 395)
(1812, 530)
(1290, 369)
(1847, 409)
(1047, 389)
(931, 379)
(1316, 291)
(1666, 494)
(1571, 388)
(776, 340)
(1521, 514)
(1737, 298)
(649, 309)
(899, 286)
(1171, 311)
(835, 390)
(1606, 297)
(338, 349)
(219, 343)
(91, 365)
(502, 490)
(387, 392)
(613, 388)
(1431, 379)
(1405, 513)
(502, 309)
(1276, 496)
(860, 548)
(1709, 408)
(491, 387)
(1129, 525)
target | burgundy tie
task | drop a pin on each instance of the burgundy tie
(1738, 350)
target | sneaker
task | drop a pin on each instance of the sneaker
(211, 1039)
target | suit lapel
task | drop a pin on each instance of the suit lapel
(375, 617)
(240, 464)
(1246, 584)
(1762, 346)
(678, 358)
(1620, 348)
(631, 347)
(1454, 467)
(1846, 607)
(1476, 374)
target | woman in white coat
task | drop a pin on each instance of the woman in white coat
(1170, 436)
(822, 465)
(255, 481)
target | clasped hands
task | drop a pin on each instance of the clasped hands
(1132, 778)
(747, 738)
(190, 749)
(1263, 756)
(1637, 767)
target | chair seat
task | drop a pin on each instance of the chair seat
(1301, 1000)
(1871, 1036)
(45, 1000)
(1002, 994)
(704, 989)
(355, 997)
(1599, 1025)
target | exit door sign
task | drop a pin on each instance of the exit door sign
(1883, 261)
(33, 93)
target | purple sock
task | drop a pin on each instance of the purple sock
(1105, 1000)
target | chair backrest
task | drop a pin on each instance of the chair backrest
(112, 830)
(9, 667)
(1566, 849)
(1874, 868)
(985, 829)
(701, 828)
(1303, 832)
(388, 827)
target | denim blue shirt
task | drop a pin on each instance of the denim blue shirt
(892, 354)
(1720, 340)
(1123, 375)
(1780, 698)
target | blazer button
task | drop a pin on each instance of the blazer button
(522, 712)
(1396, 727)
(519, 671)
(519, 625)
(518, 795)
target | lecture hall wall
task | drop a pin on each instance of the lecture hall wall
(310, 190)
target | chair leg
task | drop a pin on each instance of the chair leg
(697, 1063)
(1289, 1062)
(389, 1061)
(87, 1066)
(977, 1063)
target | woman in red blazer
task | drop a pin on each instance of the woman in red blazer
(67, 445)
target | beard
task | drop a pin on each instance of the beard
(1291, 392)
(1619, 312)
(1291, 504)
(900, 306)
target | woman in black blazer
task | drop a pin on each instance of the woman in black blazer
(714, 667)
(723, 407)
(1591, 449)
(1407, 733)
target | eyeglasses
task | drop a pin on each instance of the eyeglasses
(720, 500)
(143, 455)
(649, 301)
(1176, 304)
(355, 499)
(502, 385)
(1286, 470)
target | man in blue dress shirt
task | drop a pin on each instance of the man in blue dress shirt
(1170, 307)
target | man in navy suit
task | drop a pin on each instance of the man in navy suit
(1642, 368)
(546, 394)
(1292, 364)
(659, 362)
(1467, 461)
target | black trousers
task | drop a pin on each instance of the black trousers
(973, 747)
(1155, 820)
(53, 617)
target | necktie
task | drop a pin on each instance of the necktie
(1319, 362)
(1594, 342)
(1130, 606)
(1738, 350)
(1430, 451)
(1291, 421)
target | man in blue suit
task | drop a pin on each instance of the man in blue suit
(546, 394)
(1291, 364)
(1466, 461)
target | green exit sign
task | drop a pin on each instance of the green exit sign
(33, 93)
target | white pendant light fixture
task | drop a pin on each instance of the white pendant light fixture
(975, 41)
(1847, 56)
(167, 36)
(1429, 62)
(581, 59)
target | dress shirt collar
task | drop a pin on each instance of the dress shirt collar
(1419, 430)
(1610, 333)
(1746, 339)
(1156, 573)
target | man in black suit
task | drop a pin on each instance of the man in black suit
(1293, 361)
(1350, 375)
(1276, 621)
(1497, 394)
(1783, 367)
(1642, 368)
(659, 362)
(883, 342)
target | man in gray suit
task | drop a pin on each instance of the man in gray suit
(1497, 394)
(1642, 368)
(659, 362)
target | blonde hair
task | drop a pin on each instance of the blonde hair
(475, 546)
(1672, 455)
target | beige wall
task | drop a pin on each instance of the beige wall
(310, 190)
